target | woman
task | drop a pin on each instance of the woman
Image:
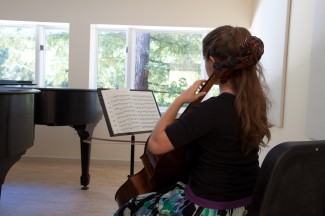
(226, 131)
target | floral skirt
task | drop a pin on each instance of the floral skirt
(172, 202)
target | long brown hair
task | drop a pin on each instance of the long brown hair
(249, 84)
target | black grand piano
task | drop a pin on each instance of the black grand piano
(78, 108)
(16, 126)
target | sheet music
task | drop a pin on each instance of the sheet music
(130, 111)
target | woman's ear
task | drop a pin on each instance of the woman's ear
(212, 59)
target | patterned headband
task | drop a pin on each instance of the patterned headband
(252, 49)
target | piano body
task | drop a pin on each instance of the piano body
(78, 108)
(16, 126)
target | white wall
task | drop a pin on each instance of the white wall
(62, 142)
(273, 30)
(316, 94)
(297, 75)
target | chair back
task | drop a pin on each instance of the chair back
(291, 181)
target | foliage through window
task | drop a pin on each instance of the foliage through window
(34, 52)
(164, 61)
(56, 57)
(17, 53)
(111, 59)
(167, 63)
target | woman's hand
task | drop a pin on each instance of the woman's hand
(158, 142)
(190, 95)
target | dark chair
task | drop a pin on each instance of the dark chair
(291, 181)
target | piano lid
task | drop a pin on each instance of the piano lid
(12, 90)
(16, 82)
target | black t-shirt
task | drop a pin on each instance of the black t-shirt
(221, 171)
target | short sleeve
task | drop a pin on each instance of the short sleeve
(206, 117)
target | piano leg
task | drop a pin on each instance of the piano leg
(85, 147)
(85, 161)
(5, 165)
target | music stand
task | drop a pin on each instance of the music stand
(129, 112)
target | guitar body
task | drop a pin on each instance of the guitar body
(159, 172)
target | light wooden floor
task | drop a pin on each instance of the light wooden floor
(51, 187)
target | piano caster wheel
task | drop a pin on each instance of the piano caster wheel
(84, 188)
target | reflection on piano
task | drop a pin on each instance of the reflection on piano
(16, 126)
(20, 108)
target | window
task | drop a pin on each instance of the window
(38, 52)
(164, 60)
(56, 48)
(111, 59)
(17, 53)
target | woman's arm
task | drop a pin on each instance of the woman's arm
(158, 142)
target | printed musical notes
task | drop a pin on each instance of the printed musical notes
(128, 111)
